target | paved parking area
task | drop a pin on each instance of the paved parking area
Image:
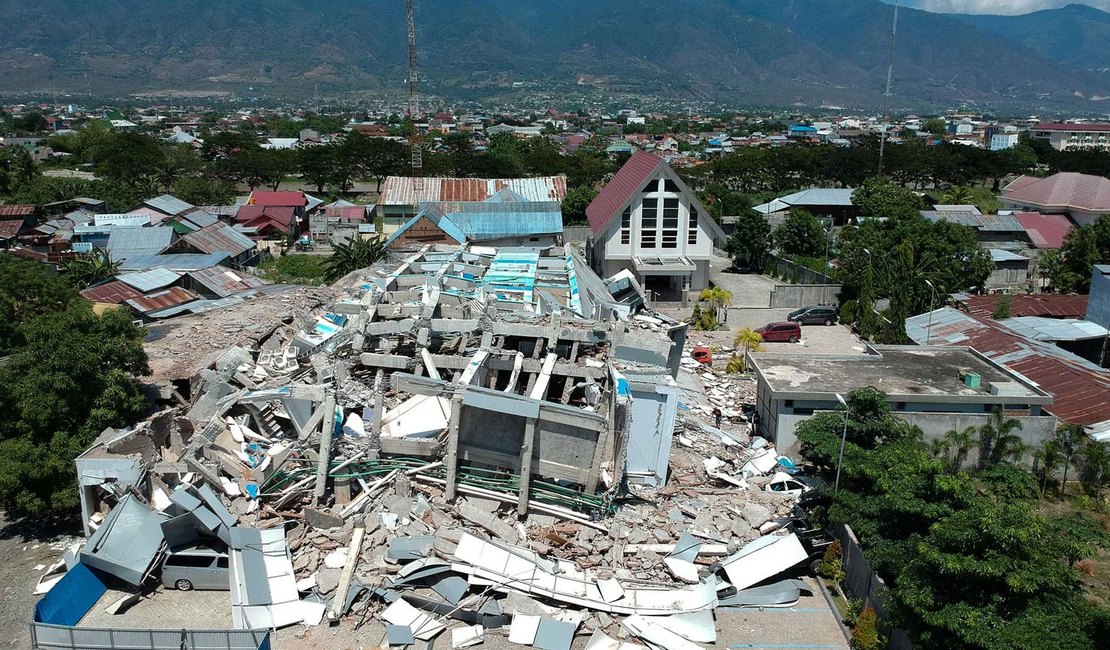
(165, 609)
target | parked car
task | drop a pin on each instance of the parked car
(815, 315)
(196, 567)
(780, 332)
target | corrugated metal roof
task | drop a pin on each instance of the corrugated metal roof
(168, 204)
(616, 193)
(281, 216)
(403, 190)
(486, 221)
(182, 262)
(125, 243)
(112, 293)
(223, 281)
(1054, 329)
(999, 255)
(16, 211)
(9, 228)
(820, 196)
(219, 237)
(1081, 389)
(1045, 230)
(1045, 304)
(162, 299)
(150, 280)
(278, 199)
(199, 218)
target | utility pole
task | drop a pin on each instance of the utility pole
(316, 95)
(886, 95)
(414, 95)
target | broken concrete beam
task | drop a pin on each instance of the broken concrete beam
(327, 429)
(389, 327)
(322, 520)
(488, 521)
(394, 361)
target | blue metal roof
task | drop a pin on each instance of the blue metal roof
(126, 243)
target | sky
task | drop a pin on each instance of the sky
(995, 6)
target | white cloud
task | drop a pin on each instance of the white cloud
(996, 6)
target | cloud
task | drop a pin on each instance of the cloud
(996, 6)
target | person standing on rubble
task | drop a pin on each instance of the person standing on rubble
(717, 416)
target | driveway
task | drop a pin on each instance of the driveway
(748, 289)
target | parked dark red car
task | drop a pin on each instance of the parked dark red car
(780, 332)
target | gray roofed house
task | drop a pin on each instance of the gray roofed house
(182, 262)
(126, 243)
(168, 205)
(150, 280)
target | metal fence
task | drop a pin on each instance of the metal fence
(50, 637)
(863, 583)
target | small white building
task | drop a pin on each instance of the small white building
(1000, 141)
(648, 221)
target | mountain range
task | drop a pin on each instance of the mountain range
(746, 52)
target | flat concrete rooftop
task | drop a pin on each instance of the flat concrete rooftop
(903, 371)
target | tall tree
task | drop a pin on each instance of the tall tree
(802, 234)
(881, 197)
(751, 240)
(354, 255)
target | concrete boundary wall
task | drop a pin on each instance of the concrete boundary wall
(793, 296)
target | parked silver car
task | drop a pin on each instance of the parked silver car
(196, 567)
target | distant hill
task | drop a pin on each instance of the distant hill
(741, 51)
(1076, 35)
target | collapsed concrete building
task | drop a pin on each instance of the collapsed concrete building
(487, 376)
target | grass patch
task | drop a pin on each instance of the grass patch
(294, 269)
(1098, 584)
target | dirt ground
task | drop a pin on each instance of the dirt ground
(25, 544)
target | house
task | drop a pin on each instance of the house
(337, 222)
(648, 221)
(989, 228)
(270, 222)
(503, 220)
(163, 207)
(401, 196)
(220, 282)
(1082, 197)
(1080, 388)
(1044, 231)
(218, 238)
(109, 295)
(1011, 271)
(1068, 136)
(829, 203)
(936, 388)
(15, 220)
(124, 243)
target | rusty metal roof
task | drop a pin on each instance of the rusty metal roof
(112, 293)
(403, 190)
(161, 299)
(219, 237)
(223, 281)
(1045, 305)
(9, 228)
(16, 211)
(1081, 390)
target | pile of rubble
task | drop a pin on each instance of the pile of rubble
(476, 439)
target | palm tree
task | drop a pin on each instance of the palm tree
(997, 440)
(1094, 465)
(1070, 437)
(353, 255)
(961, 443)
(957, 195)
(746, 340)
(938, 447)
(1045, 461)
(719, 297)
(90, 269)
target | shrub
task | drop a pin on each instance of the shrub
(865, 633)
(832, 567)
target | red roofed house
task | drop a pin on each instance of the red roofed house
(1082, 197)
(14, 221)
(646, 220)
(1046, 231)
(271, 222)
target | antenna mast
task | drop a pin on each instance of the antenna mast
(414, 95)
(886, 95)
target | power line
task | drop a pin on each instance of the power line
(886, 95)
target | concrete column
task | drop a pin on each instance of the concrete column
(327, 428)
(452, 457)
(526, 465)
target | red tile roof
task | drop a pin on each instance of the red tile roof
(1046, 305)
(278, 199)
(1064, 126)
(16, 211)
(626, 182)
(1045, 230)
(113, 293)
(1063, 191)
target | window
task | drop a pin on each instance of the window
(649, 220)
(652, 187)
(195, 561)
(221, 563)
(670, 223)
(626, 226)
(670, 186)
(692, 236)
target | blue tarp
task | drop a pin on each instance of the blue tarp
(69, 600)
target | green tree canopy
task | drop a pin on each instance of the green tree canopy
(751, 239)
(1084, 247)
(27, 291)
(802, 234)
(882, 197)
